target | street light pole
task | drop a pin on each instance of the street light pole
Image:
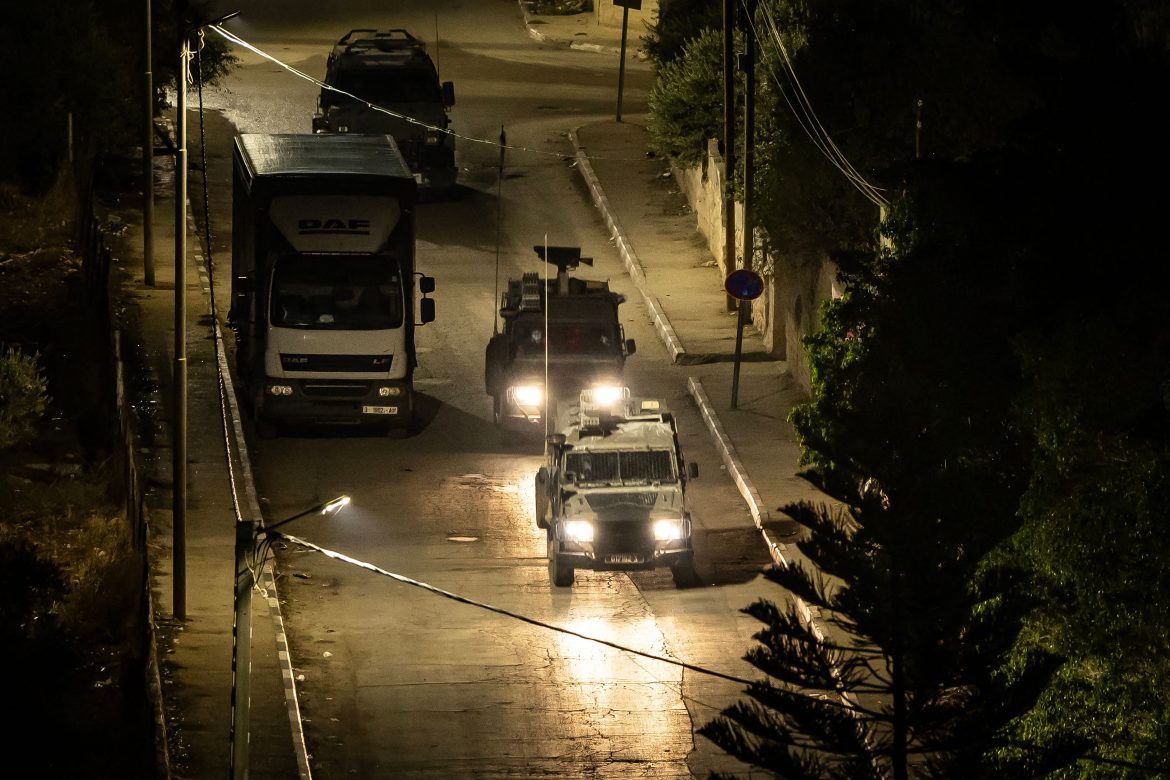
(179, 428)
(249, 557)
(148, 161)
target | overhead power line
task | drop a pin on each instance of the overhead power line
(500, 610)
(804, 113)
(233, 38)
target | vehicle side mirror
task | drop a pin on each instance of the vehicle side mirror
(693, 470)
(448, 89)
(631, 347)
(426, 310)
(426, 284)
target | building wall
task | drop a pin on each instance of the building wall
(794, 288)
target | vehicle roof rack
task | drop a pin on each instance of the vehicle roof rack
(395, 40)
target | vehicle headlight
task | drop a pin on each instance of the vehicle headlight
(578, 531)
(528, 395)
(432, 139)
(279, 390)
(389, 392)
(607, 395)
(668, 529)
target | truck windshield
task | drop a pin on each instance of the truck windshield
(564, 338)
(386, 87)
(336, 292)
(620, 468)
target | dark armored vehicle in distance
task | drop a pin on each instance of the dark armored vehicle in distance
(391, 70)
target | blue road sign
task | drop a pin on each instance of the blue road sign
(744, 285)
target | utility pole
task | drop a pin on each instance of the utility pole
(749, 134)
(728, 138)
(148, 159)
(179, 425)
(242, 646)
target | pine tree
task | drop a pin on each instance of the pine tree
(911, 428)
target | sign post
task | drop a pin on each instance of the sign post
(744, 285)
(626, 5)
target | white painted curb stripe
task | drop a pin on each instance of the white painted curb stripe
(629, 257)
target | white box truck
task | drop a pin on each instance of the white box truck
(325, 296)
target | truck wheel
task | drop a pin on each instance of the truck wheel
(541, 499)
(683, 572)
(560, 572)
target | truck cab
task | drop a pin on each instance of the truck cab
(612, 495)
(559, 335)
(392, 87)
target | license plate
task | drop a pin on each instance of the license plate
(379, 410)
(623, 558)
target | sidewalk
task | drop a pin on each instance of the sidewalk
(683, 291)
(195, 653)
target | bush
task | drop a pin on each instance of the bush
(23, 396)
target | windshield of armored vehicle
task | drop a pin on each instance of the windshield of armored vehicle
(638, 467)
(336, 292)
(564, 338)
(387, 86)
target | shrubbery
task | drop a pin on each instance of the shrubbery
(23, 396)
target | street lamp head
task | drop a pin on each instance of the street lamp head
(327, 508)
(336, 505)
(193, 25)
(221, 19)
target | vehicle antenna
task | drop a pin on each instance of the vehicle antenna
(499, 207)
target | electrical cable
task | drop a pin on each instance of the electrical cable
(210, 268)
(499, 610)
(233, 38)
(806, 116)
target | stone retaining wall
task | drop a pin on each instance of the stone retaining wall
(794, 287)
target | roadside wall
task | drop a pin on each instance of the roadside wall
(610, 15)
(794, 287)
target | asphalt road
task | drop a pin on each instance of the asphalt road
(398, 682)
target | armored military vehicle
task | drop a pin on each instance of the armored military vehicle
(391, 70)
(613, 493)
(559, 335)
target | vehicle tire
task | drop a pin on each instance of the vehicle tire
(683, 572)
(559, 572)
(541, 503)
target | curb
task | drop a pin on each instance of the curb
(537, 35)
(629, 257)
(233, 431)
(778, 551)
